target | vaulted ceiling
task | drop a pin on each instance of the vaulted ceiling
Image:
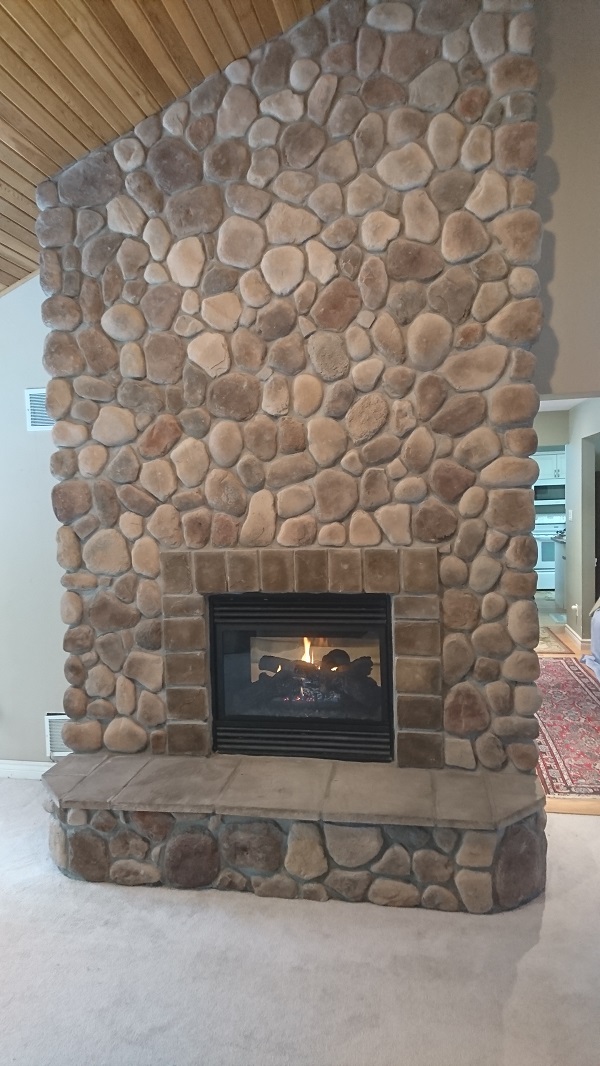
(76, 73)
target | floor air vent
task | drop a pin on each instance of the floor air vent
(35, 406)
(55, 747)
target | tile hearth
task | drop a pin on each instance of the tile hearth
(288, 827)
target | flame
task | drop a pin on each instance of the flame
(278, 669)
(307, 657)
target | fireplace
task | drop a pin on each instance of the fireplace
(304, 675)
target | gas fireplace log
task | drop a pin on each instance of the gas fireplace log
(277, 664)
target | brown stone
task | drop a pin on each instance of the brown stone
(406, 54)
(411, 260)
(336, 493)
(234, 396)
(465, 710)
(197, 210)
(369, 140)
(191, 859)
(351, 886)
(516, 147)
(252, 846)
(449, 480)
(433, 521)
(520, 871)
(88, 855)
(337, 305)
(276, 320)
(459, 414)
(510, 510)
(461, 609)
(379, 92)
(521, 666)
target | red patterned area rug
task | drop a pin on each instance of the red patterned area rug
(569, 740)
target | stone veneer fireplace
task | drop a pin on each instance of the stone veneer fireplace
(289, 356)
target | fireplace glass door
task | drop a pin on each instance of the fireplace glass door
(302, 675)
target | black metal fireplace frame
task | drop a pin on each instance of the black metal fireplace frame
(313, 738)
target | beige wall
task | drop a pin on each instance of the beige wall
(552, 428)
(584, 424)
(567, 176)
(31, 632)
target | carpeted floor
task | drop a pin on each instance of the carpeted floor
(569, 718)
(99, 975)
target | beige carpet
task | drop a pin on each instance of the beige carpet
(96, 975)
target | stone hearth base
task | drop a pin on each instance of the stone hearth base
(301, 828)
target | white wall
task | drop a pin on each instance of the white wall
(31, 633)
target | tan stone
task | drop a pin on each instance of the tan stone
(294, 500)
(114, 425)
(510, 472)
(125, 735)
(352, 846)
(387, 337)
(477, 148)
(421, 219)
(225, 492)
(209, 351)
(258, 529)
(158, 478)
(378, 229)
(465, 710)
(106, 552)
(222, 312)
(305, 855)
(366, 417)
(337, 163)
(435, 88)
(290, 225)
(363, 531)
(429, 338)
(405, 124)
(489, 197)
(297, 532)
(457, 657)
(405, 168)
(388, 893)
(276, 395)
(326, 440)
(394, 519)
(519, 233)
(328, 355)
(241, 242)
(490, 751)
(364, 194)
(463, 237)
(449, 480)
(475, 890)
(523, 623)
(444, 138)
(82, 736)
(307, 394)
(510, 404)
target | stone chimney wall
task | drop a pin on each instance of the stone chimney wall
(290, 325)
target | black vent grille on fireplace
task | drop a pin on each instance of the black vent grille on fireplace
(332, 701)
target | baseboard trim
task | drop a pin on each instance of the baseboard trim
(581, 645)
(27, 771)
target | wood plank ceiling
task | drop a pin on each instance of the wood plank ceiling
(76, 73)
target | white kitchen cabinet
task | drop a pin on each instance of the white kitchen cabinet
(552, 465)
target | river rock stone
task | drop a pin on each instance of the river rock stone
(305, 855)
(411, 260)
(326, 440)
(433, 521)
(366, 417)
(351, 846)
(258, 529)
(241, 242)
(125, 736)
(429, 338)
(123, 322)
(463, 237)
(465, 710)
(297, 532)
(225, 492)
(519, 233)
(388, 893)
(336, 493)
(253, 845)
(337, 305)
(405, 168)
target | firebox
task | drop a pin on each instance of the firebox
(305, 675)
